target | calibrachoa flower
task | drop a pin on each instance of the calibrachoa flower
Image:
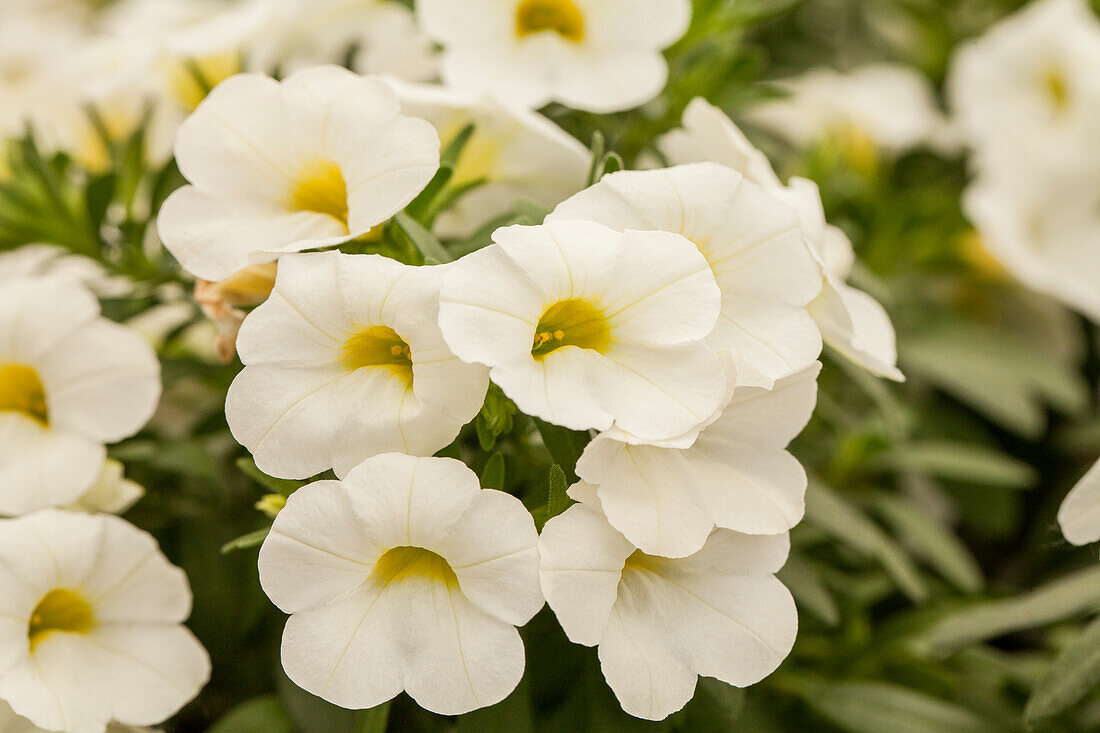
(408, 576)
(586, 327)
(659, 622)
(345, 360)
(850, 320)
(315, 160)
(596, 55)
(516, 153)
(91, 624)
(70, 381)
(112, 493)
(753, 243)
(737, 474)
(1079, 515)
(12, 723)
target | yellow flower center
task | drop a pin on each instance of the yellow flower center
(571, 323)
(560, 16)
(190, 79)
(21, 391)
(1057, 89)
(321, 188)
(641, 562)
(60, 610)
(378, 346)
(404, 563)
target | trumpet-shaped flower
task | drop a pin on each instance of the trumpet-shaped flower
(586, 327)
(111, 493)
(91, 624)
(851, 321)
(70, 381)
(514, 152)
(659, 622)
(315, 160)
(403, 576)
(12, 723)
(753, 243)
(596, 55)
(345, 360)
(1079, 515)
(737, 474)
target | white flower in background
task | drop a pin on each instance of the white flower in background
(345, 360)
(1026, 94)
(595, 55)
(660, 623)
(737, 474)
(70, 381)
(890, 107)
(48, 260)
(91, 624)
(1044, 233)
(12, 723)
(753, 243)
(851, 321)
(586, 327)
(1079, 515)
(516, 152)
(112, 493)
(315, 160)
(404, 576)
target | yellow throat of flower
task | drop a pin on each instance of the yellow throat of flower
(60, 611)
(320, 188)
(406, 563)
(380, 347)
(572, 322)
(1056, 86)
(21, 391)
(559, 16)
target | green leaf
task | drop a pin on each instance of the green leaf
(450, 155)
(97, 197)
(715, 708)
(424, 241)
(265, 713)
(875, 707)
(809, 590)
(283, 486)
(931, 541)
(510, 715)
(1074, 672)
(557, 500)
(599, 149)
(1072, 595)
(564, 445)
(960, 462)
(496, 417)
(845, 522)
(311, 714)
(252, 539)
(374, 720)
(492, 476)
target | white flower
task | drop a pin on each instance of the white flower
(1079, 515)
(660, 623)
(753, 243)
(891, 106)
(851, 321)
(589, 328)
(737, 474)
(70, 381)
(345, 360)
(596, 55)
(1043, 232)
(111, 493)
(404, 576)
(315, 160)
(47, 260)
(1027, 95)
(517, 152)
(91, 624)
(12, 723)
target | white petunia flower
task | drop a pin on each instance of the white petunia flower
(91, 624)
(403, 576)
(595, 55)
(516, 152)
(851, 321)
(70, 381)
(753, 243)
(661, 623)
(1079, 515)
(12, 723)
(1026, 94)
(48, 260)
(586, 327)
(736, 475)
(892, 107)
(1045, 234)
(315, 160)
(345, 360)
(112, 493)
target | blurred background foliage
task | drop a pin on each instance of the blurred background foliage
(934, 588)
